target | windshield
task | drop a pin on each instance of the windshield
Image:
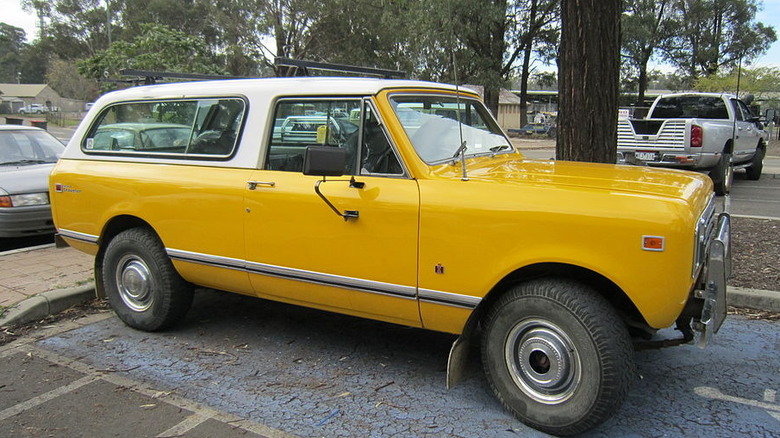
(432, 124)
(28, 147)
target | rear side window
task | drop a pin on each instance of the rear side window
(205, 128)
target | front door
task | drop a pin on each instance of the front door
(300, 251)
(746, 132)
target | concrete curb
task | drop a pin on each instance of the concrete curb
(757, 299)
(45, 304)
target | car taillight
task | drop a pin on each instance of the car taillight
(697, 136)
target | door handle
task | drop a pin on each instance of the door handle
(253, 184)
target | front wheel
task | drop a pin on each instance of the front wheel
(142, 286)
(557, 355)
(722, 175)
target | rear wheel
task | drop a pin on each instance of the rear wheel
(753, 171)
(557, 355)
(141, 283)
(723, 175)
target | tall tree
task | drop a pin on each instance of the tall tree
(711, 34)
(533, 22)
(589, 75)
(158, 48)
(646, 26)
(64, 77)
(12, 44)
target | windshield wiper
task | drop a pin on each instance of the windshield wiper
(460, 150)
(499, 148)
(22, 162)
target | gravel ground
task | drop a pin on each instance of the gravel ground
(773, 148)
(755, 253)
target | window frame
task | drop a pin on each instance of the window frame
(463, 98)
(367, 102)
(96, 123)
(363, 102)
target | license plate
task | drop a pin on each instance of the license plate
(645, 156)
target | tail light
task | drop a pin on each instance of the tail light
(697, 136)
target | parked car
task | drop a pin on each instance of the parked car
(34, 108)
(535, 128)
(141, 137)
(708, 132)
(422, 214)
(27, 156)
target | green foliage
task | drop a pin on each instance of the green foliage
(157, 48)
(11, 48)
(64, 77)
(713, 34)
(757, 81)
(646, 26)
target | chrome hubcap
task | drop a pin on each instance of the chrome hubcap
(542, 361)
(134, 282)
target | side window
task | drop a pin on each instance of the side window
(746, 113)
(737, 110)
(301, 123)
(206, 127)
(377, 156)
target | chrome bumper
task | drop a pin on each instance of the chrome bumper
(718, 270)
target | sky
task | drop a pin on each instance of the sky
(770, 15)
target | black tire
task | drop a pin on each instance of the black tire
(753, 172)
(722, 175)
(141, 283)
(557, 326)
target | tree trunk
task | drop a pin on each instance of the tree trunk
(524, 75)
(640, 99)
(491, 99)
(589, 74)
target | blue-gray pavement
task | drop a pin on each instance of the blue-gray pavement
(314, 374)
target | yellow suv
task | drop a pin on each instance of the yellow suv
(410, 206)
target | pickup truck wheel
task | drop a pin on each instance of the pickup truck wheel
(557, 355)
(753, 172)
(142, 286)
(723, 175)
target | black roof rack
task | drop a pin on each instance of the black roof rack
(303, 66)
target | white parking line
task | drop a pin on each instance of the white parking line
(769, 396)
(43, 398)
(185, 426)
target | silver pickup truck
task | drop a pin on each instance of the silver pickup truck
(709, 132)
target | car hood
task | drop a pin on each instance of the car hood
(508, 169)
(32, 178)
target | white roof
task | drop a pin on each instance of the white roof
(696, 93)
(271, 87)
(18, 128)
